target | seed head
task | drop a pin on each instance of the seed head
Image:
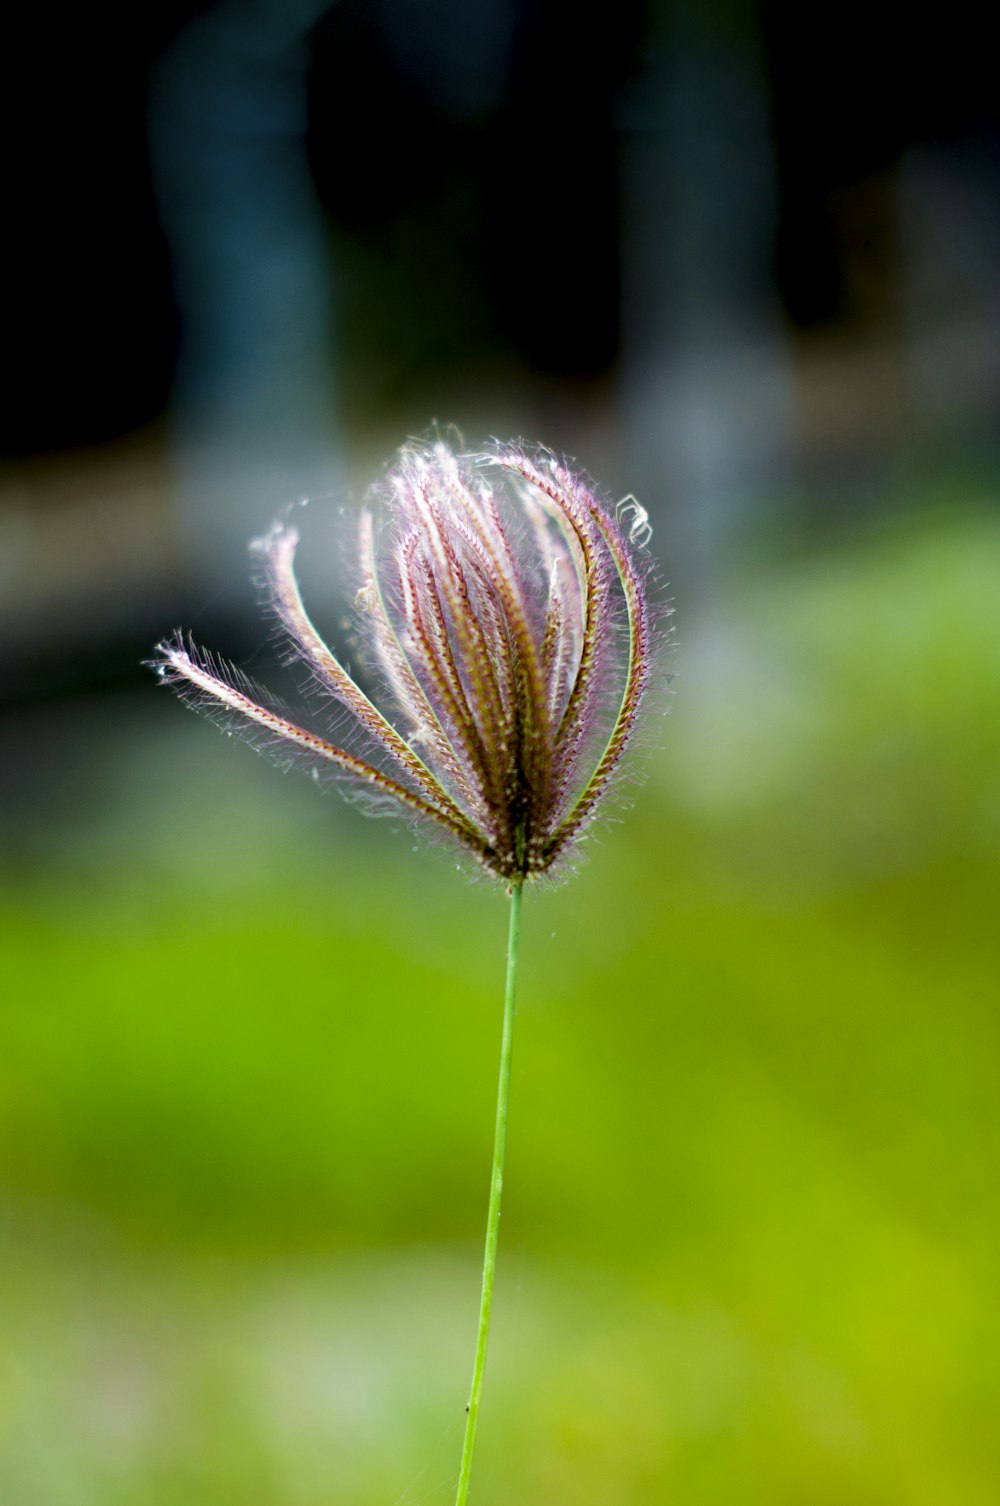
(507, 621)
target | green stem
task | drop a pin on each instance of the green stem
(496, 1188)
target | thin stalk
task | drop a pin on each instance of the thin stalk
(496, 1188)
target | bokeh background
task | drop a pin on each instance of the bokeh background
(744, 261)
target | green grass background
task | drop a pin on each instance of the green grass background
(749, 1248)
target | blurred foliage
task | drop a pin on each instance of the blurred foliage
(247, 1065)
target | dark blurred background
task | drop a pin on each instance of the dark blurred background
(743, 261)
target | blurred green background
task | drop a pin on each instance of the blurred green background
(248, 1039)
(749, 1245)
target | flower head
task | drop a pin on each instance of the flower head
(505, 617)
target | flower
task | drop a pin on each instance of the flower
(507, 620)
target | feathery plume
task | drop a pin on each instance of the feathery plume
(504, 611)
